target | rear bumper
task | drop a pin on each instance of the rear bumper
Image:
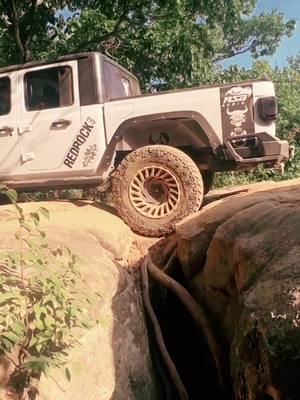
(268, 150)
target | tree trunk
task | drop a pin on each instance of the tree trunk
(16, 27)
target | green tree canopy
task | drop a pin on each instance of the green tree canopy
(176, 42)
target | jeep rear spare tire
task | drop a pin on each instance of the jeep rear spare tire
(154, 187)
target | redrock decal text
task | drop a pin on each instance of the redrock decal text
(81, 138)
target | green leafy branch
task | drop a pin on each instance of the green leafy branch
(41, 302)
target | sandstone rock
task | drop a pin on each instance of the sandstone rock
(112, 360)
(241, 255)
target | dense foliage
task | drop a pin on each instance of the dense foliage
(170, 41)
(43, 299)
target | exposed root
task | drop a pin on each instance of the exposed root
(169, 267)
(193, 308)
(183, 395)
(168, 389)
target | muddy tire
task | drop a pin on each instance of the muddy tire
(154, 187)
(208, 180)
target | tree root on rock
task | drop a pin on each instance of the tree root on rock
(169, 267)
(192, 307)
(159, 338)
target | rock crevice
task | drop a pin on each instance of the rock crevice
(241, 257)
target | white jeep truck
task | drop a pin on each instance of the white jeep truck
(81, 121)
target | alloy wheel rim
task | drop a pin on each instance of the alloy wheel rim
(154, 192)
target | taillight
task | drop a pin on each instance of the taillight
(267, 108)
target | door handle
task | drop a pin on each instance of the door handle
(60, 124)
(6, 130)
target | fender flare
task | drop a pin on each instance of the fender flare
(107, 160)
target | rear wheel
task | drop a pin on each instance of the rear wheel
(154, 187)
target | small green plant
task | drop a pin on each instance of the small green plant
(42, 300)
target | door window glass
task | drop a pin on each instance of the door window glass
(48, 88)
(5, 101)
(116, 84)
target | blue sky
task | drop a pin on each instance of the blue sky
(288, 46)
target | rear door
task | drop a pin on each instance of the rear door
(10, 152)
(49, 114)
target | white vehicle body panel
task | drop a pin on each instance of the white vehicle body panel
(10, 151)
(191, 100)
(81, 140)
(92, 150)
(42, 146)
(195, 100)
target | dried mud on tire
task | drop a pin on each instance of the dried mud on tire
(180, 165)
